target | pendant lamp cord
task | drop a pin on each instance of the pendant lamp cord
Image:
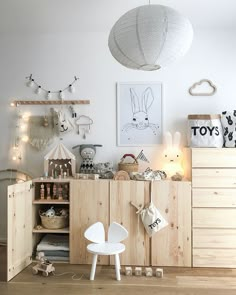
(149, 2)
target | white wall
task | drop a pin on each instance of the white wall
(54, 60)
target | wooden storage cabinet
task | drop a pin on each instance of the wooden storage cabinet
(24, 204)
(90, 201)
(19, 228)
(172, 246)
(137, 245)
(214, 207)
(89, 204)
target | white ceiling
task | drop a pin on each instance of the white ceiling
(35, 16)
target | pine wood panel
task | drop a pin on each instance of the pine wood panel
(218, 197)
(214, 258)
(19, 228)
(214, 218)
(187, 160)
(214, 178)
(172, 245)
(137, 245)
(89, 203)
(213, 157)
(214, 238)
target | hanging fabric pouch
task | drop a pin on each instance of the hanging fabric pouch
(151, 217)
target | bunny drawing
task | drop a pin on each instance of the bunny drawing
(173, 156)
(140, 120)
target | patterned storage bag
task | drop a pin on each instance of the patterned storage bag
(228, 120)
(205, 131)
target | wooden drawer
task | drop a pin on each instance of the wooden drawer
(214, 218)
(214, 157)
(219, 197)
(214, 178)
(214, 238)
(214, 258)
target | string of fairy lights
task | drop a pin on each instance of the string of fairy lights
(21, 136)
(39, 88)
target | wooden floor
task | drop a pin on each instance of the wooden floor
(175, 281)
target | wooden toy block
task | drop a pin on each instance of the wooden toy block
(159, 273)
(148, 271)
(128, 271)
(138, 271)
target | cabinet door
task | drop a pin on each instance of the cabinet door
(137, 244)
(19, 227)
(89, 203)
(171, 246)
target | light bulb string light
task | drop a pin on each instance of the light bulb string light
(31, 79)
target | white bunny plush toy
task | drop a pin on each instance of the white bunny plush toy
(173, 156)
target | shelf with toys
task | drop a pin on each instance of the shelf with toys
(59, 231)
(51, 201)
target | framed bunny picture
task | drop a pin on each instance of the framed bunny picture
(139, 113)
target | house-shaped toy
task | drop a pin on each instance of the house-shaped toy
(59, 161)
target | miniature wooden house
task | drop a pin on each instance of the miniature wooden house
(59, 161)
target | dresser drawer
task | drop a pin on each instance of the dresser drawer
(214, 178)
(214, 157)
(218, 197)
(214, 238)
(214, 258)
(214, 218)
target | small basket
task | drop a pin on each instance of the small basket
(54, 222)
(128, 167)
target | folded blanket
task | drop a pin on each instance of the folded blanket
(54, 242)
(57, 258)
(58, 253)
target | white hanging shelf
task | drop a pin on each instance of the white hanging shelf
(48, 102)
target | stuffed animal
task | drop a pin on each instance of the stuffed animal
(173, 156)
(87, 152)
(62, 122)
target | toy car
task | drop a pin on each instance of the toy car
(45, 267)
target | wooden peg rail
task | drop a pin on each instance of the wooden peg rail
(49, 102)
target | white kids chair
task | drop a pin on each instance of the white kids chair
(96, 234)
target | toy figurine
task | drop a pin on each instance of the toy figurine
(42, 192)
(54, 191)
(48, 191)
(60, 192)
(87, 152)
(66, 191)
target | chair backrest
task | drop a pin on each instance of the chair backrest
(95, 233)
(116, 233)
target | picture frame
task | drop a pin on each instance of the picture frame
(139, 113)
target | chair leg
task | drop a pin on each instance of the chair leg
(117, 265)
(93, 268)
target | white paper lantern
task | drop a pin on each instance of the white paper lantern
(150, 37)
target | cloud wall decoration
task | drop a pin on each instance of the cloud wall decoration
(203, 88)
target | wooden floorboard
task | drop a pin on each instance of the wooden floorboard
(184, 281)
